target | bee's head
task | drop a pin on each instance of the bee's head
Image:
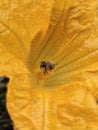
(43, 64)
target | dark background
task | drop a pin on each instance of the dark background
(5, 121)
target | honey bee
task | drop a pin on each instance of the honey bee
(46, 66)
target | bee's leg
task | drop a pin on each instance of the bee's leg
(45, 71)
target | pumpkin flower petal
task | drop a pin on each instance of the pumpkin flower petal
(20, 21)
(62, 93)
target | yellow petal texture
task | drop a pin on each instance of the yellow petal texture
(20, 21)
(65, 33)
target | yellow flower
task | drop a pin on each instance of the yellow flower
(63, 33)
